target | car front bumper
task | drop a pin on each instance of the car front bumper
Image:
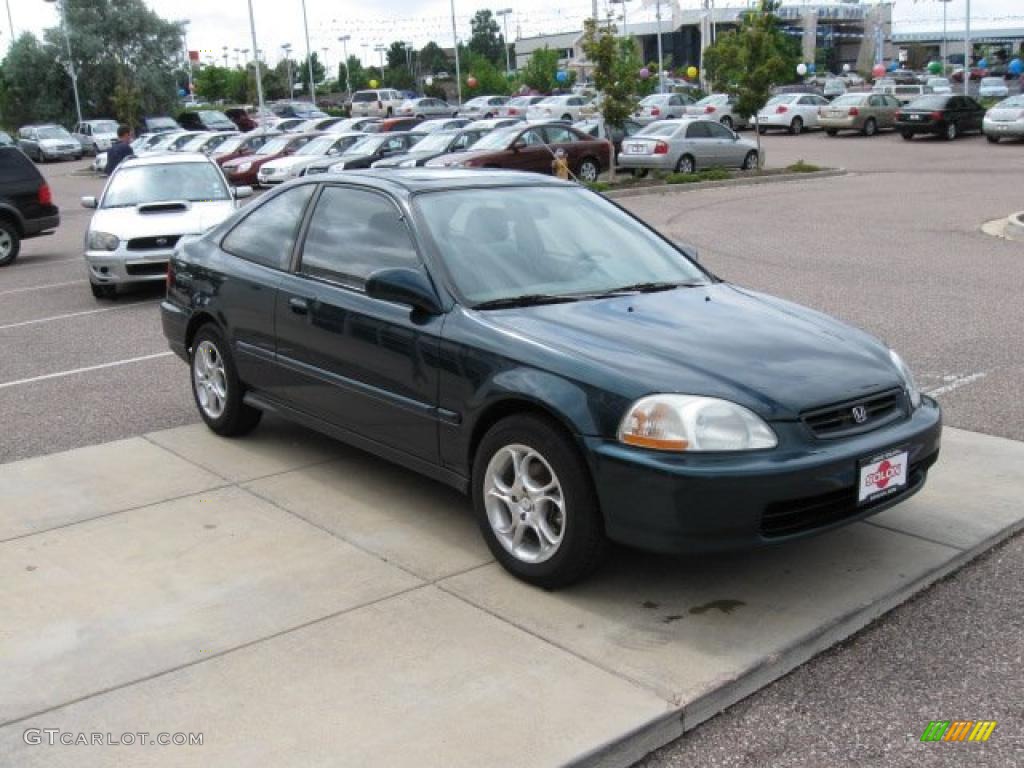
(712, 503)
(1010, 129)
(122, 266)
(239, 178)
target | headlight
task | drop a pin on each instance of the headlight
(103, 241)
(692, 423)
(908, 379)
(244, 167)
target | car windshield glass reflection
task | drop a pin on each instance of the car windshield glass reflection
(194, 182)
(508, 242)
(273, 147)
(107, 126)
(53, 133)
(230, 145)
(499, 139)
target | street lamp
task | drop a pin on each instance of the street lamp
(504, 13)
(71, 64)
(344, 52)
(455, 43)
(309, 56)
(256, 56)
(287, 48)
(380, 49)
(661, 59)
(188, 59)
(225, 49)
(10, 19)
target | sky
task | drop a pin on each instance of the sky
(214, 25)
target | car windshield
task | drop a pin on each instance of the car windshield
(520, 101)
(992, 81)
(195, 182)
(479, 101)
(368, 144)
(661, 128)
(364, 97)
(929, 102)
(161, 122)
(230, 144)
(1010, 103)
(318, 146)
(196, 143)
(506, 242)
(211, 116)
(181, 141)
(498, 139)
(848, 100)
(436, 142)
(782, 98)
(53, 132)
(552, 100)
(274, 146)
(937, 82)
(104, 126)
(654, 98)
(715, 98)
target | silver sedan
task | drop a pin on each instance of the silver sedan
(685, 146)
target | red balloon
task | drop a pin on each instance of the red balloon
(472, 82)
(878, 70)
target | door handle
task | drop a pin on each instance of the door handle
(298, 306)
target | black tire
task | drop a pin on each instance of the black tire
(390, 112)
(992, 139)
(237, 418)
(726, 121)
(762, 130)
(952, 131)
(831, 131)
(750, 161)
(639, 173)
(583, 543)
(907, 135)
(9, 235)
(488, 116)
(101, 291)
(870, 127)
(589, 169)
(796, 127)
(567, 117)
(686, 164)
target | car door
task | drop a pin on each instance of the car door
(724, 146)
(700, 145)
(560, 137)
(262, 244)
(675, 106)
(529, 153)
(365, 365)
(974, 113)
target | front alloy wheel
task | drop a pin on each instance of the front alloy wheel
(525, 503)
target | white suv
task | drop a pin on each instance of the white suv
(382, 102)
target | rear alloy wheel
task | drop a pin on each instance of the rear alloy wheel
(870, 127)
(535, 503)
(952, 131)
(750, 161)
(216, 387)
(589, 170)
(101, 291)
(797, 126)
(10, 242)
(686, 165)
(727, 122)
(992, 139)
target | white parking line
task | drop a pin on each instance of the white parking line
(42, 287)
(101, 366)
(956, 384)
(66, 316)
(22, 267)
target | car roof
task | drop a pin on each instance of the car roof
(169, 158)
(413, 180)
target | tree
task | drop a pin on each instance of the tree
(212, 83)
(356, 74)
(616, 64)
(35, 87)
(541, 71)
(489, 79)
(432, 59)
(301, 73)
(485, 40)
(750, 60)
(397, 56)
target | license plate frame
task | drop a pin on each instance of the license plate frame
(882, 475)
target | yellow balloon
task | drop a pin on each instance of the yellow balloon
(373, 83)
(691, 71)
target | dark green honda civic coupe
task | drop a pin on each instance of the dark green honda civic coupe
(527, 341)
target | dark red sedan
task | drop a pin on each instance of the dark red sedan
(242, 145)
(532, 148)
(243, 170)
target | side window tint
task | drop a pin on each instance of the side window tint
(558, 135)
(716, 131)
(267, 235)
(698, 130)
(354, 233)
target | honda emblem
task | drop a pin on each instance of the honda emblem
(860, 414)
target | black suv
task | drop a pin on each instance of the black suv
(26, 204)
(206, 120)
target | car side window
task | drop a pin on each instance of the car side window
(716, 131)
(558, 135)
(532, 138)
(698, 130)
(352, 234)
(267, 235)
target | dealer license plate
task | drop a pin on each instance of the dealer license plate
(914, 117)
(635, 149)
(882, 475)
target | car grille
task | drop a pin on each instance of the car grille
(159, 242)
(148, 268)
(841, 420)
(787, 518)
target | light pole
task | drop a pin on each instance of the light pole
(344, 52)
(661, 60)
(455, 43)
(71, 63)
(625, 29)
(944, 52)
(967, 50)
(287, 48)
(10, 19)
(380, 49)
(309, 56)
(225, 49)
(188, 58)
(504, 13)
(256, 58)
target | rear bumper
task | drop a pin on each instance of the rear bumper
(839, 123)
(174, 320)
(1010, 129)
(41, 225)
(674, 503)
(929, 127)
(645, 162)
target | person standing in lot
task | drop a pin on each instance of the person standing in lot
(120, 150)
(560, 165)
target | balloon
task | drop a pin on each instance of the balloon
(878, 70)
(644, 73)
(691, 72)
(374, 83)
(801, 69)
(428, 80)
(472, 82)
(812, 67)
(983, 63)
(935, 67)
(1016, 67)
(561, 76)
(846, 67)
(894, 66)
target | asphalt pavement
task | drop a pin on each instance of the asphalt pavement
(895, 247)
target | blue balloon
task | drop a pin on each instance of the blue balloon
(182, 92)
(894, 66)
(811, 67)
(983, 63)
(1016, 67)
(562, 76)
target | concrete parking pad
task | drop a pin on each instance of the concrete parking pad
(49, 491)
(117, 599)
(418, 680)
(421, 525)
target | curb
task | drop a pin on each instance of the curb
(660, 731)
(665, 189)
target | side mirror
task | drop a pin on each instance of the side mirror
(518, 144)
(402, 285)
(88, 201)
(687, 250)
(239, 192)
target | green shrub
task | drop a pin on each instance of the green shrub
(801, 167)
(597, 186)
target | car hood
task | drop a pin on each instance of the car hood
(57, 142)
(456, 158)
(128, 223)
(394, 160)
(772, 356)
(254, 159)
(287, 162)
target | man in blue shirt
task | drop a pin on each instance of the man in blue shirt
(120, 150)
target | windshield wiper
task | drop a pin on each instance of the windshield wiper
(525, 300)
(649, 287)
